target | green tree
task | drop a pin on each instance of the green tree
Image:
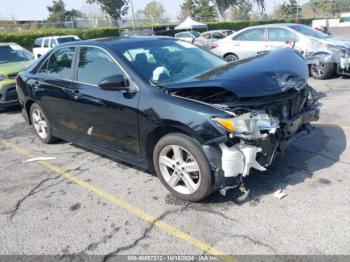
(58, 13)
(290, 9)
(260, 7)
(222, 6)
(241, 10)
(113, 9)
(322, 7)
(342, 6)
(154, 11)
(205, 10)
(186, 9)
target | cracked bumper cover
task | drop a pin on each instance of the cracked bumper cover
(239, 159)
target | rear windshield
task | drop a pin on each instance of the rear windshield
(66, 40)
(14, 53)
(308, 31)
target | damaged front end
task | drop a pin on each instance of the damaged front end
(258, 124)
(336, 52)
(259, 128)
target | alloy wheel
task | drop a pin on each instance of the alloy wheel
(39, 123)
(318, 69)
(179, 169)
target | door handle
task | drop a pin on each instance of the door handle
(36, 84)
(76, 94)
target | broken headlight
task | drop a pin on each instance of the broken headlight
(249, 124)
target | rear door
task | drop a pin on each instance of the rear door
(280, 37)
(249, 43)
(51, 86)
(108, 119)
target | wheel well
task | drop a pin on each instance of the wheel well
(154, 137)
(231, 54)
(27, 107)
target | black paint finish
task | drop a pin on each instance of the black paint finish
(126, 125)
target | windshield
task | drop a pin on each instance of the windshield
(14, 53)
(308, 31)
(168, 60)
(66, 40)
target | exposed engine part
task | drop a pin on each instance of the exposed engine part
(250, 153)
(239, 160)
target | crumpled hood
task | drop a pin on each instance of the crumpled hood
(10, 68)
(267, 74)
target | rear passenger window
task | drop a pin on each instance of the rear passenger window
(95, 65)
(38, 42)
(257, 34)
(59, 64)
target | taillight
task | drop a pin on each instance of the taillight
(214, 45)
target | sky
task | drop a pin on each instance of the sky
(36, 9)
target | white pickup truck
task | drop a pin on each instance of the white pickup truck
(44, 44)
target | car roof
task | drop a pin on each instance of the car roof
(7, 44)
(56, 36)
(217, 31)
(118, 41)
(273, 25)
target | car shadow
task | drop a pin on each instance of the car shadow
(308, 154)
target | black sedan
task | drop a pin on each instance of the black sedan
(166, 105)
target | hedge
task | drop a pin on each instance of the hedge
(26, 37)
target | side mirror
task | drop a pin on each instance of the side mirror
(114, 83)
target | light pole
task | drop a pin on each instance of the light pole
(133, 14)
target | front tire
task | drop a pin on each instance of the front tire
(182, 167)
(41, 125)
(322, 70)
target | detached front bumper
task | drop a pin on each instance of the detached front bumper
(235, 160)
(8, 96)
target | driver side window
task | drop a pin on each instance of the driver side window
(95, 65)
(281, 35)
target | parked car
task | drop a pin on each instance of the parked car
(166, 105)
(188, 36)
(13, 58)
(44, 44)
(327, 55)
(206, 39)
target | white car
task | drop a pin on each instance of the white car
(207, 38)
(44, 44)
(188, 36)
(327, 55)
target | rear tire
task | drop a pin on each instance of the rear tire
(231, 58)
(182, 167)
(322, 70)
(41, 125)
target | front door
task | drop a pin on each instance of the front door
(280, 37)
(249, 43)
(108, 119)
